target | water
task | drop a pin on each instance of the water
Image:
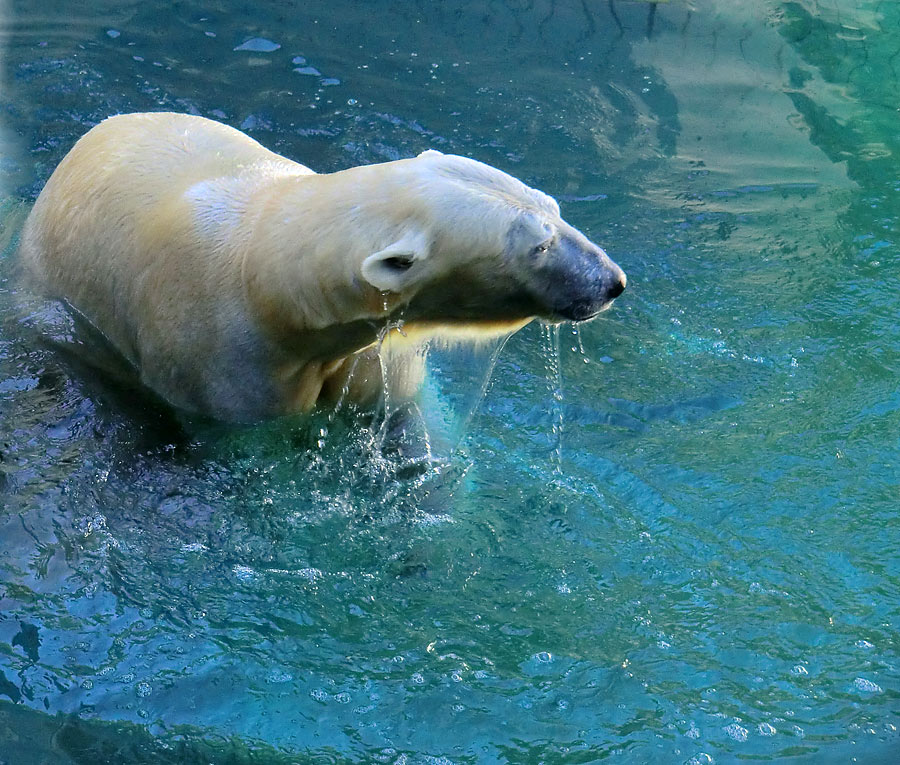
(691, 556)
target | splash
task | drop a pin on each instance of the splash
(433, 386)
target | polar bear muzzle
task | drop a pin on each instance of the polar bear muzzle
(581, 282)
(571, 278)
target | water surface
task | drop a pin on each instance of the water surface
(676, 541)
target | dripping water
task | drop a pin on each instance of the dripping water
(579, 344)
(496, 347)
(388, 360)
(554, 378)
(323, 431)
(384, 335)
(345, 391)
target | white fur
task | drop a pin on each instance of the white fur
(244, 285)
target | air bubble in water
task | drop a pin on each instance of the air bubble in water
(737, 732)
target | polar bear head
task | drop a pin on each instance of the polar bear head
(477, 247)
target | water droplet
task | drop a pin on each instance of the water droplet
(765, 729)
(554, 376)
(143, 690)
(310, 70)
(114, 33)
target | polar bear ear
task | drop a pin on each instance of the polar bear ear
(390, 269)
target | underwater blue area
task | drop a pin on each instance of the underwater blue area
(670, 534)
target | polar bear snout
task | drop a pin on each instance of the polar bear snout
(578, 279)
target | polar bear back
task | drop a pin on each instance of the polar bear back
(114, 213)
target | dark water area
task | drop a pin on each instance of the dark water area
(670, 535)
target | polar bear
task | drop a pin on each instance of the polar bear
(242, 285)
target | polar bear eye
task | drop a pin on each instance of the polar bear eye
(398, 262)
(542, 247)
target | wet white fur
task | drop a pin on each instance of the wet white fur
(243, 285)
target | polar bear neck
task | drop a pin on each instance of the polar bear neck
(328, 224)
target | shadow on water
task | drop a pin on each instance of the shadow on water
(32, 738)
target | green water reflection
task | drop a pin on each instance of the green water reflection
(692, 557)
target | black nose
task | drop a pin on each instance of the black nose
(617, 287)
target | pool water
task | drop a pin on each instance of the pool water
(668, 535)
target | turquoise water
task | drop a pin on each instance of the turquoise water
(675, 541)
